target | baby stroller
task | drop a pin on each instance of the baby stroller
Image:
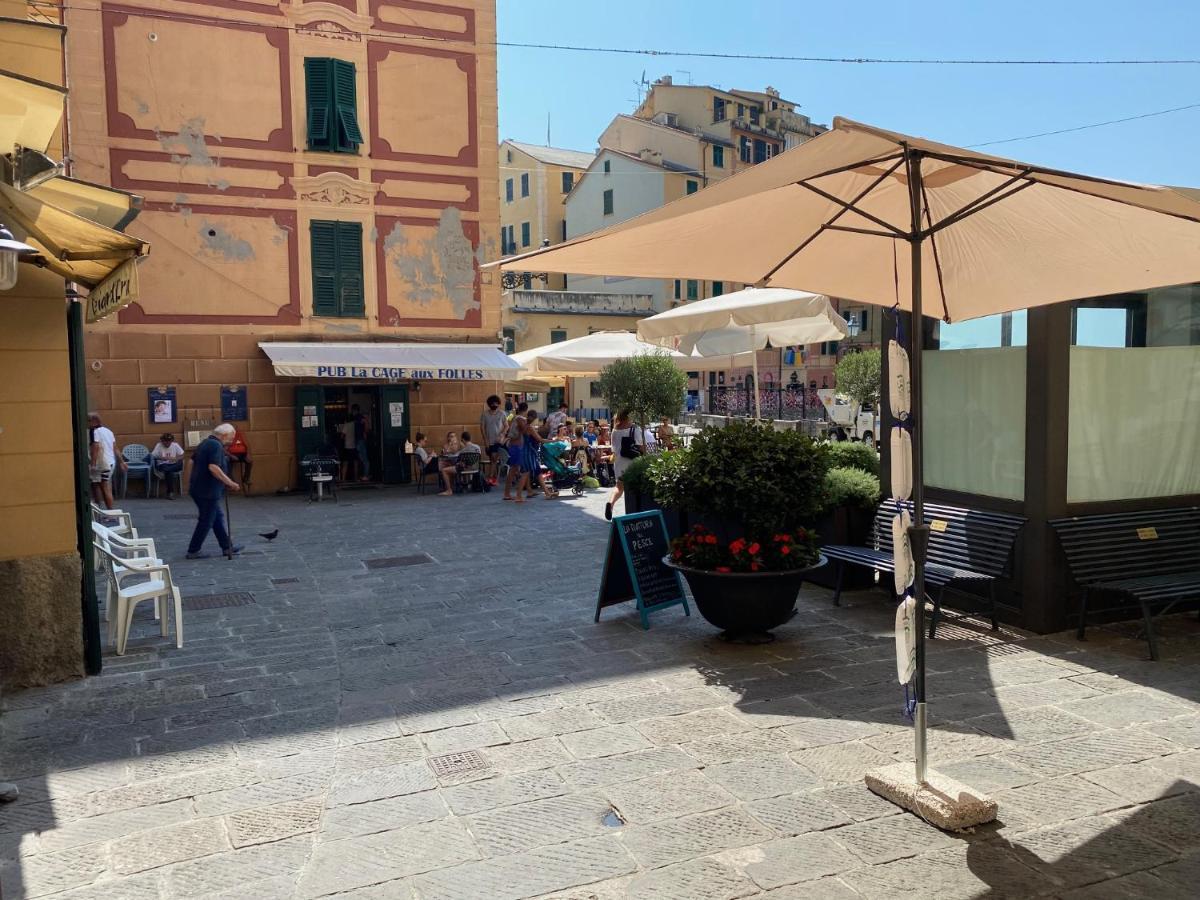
(561, 474)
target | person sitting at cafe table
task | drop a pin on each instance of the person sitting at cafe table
(448, 462)
(591, 431)
(666, 434)
(581, 450)
(166, 461)
(428, 462)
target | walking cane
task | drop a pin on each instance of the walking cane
(228, 528)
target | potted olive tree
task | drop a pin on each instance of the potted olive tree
(753, 494)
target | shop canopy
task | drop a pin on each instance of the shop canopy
(587, 355)
(70, 245)
(391, 362)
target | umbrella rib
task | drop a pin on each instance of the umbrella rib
(845, 208)
(1041, 170)
(851, 207)
(852, 230)
(972, 206)
(976, 208)
(849, 167)
(937, 259)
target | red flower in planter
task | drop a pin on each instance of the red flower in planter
(785, 550)
(710, 539)
(754, 549)
(723, 569)
(753, 567)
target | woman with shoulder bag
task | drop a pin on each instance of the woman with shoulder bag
(627, 441)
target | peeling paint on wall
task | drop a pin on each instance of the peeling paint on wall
(187, 146)
(442, 268)
(216, 241)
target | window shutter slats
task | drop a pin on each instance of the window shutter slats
(318, 100)
(350, 266)
(323, 239)
(345, 98)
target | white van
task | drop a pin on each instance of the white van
(862, 425)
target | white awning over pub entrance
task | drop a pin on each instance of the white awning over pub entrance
(391, 362)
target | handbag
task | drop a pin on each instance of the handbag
(629, 447)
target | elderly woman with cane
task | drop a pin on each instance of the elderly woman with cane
(209, 481)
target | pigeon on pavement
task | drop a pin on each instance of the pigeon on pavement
(270, 535)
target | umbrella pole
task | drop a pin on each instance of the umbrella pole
(919, 532)
(754, 366)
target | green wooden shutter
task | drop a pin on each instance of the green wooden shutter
(350, 269)
(323, 239)
(319, 101)
(345, 98)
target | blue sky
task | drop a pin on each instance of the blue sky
(960, 105)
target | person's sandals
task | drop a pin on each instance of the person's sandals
(608, 511)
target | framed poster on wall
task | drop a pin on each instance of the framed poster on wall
(233, 403)
(161, 402)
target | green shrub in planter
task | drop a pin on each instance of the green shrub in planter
(668, 474)
(854, 455)
(759, 480)
(637, 476)
(845, 486)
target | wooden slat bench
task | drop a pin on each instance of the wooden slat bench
(966, 547)
(1152, 557)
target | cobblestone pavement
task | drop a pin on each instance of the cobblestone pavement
(455, 726)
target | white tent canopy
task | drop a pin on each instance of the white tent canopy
(587, 355)
(746, 320)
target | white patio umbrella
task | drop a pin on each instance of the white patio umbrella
(587, 355)
(748, 320)
(889, 219)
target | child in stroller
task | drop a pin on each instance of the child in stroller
(561, 475)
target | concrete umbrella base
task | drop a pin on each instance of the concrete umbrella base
(939, 800)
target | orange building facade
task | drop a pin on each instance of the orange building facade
(320, 172)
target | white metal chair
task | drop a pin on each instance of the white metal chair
(158, 588)
(115, 520)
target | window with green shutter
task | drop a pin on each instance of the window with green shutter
(331, 93)
(692, 186)
(525, 234)
(718, 155)
(608, 202)
(337, 269)
(693, 289)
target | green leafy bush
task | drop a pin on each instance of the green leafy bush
(649, 385)
(637, 475)
(854, 455)
(763, 481)
(669, 473)
(845, 486)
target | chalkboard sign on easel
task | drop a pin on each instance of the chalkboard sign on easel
(633, 566)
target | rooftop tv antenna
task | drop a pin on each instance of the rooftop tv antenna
(642, 84)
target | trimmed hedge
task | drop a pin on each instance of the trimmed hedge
(845, 486)
(854, 455)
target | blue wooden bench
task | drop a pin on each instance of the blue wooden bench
(967, 548)
(1150, 557)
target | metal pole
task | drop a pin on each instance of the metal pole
(754, 365)
(92, 647)
(919, 533)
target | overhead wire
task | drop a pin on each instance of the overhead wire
(197, 18)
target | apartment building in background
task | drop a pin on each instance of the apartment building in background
(320, 184)
(533, 183)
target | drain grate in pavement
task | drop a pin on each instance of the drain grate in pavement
(218, 601)
(395, 562)
(285, 581)
(457, 763)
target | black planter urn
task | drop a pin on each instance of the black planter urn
(745, 605)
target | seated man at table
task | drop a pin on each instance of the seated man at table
(666, 434)
(166, 461)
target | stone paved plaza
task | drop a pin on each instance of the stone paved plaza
(378, 723)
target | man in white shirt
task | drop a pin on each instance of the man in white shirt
(167, 461)
(103, 460)
(555, 419)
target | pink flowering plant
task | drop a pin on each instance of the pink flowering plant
(781, 552)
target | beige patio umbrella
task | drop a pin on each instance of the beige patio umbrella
(587, 355)
(745, 321)
(885, 218)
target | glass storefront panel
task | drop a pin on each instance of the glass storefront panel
(974, 407)
(1135, 396)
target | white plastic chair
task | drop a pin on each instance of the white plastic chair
(115, 520)
(121, 548)
(159, 588)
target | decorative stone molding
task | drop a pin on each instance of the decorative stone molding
(334, 188)
(329, 21)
